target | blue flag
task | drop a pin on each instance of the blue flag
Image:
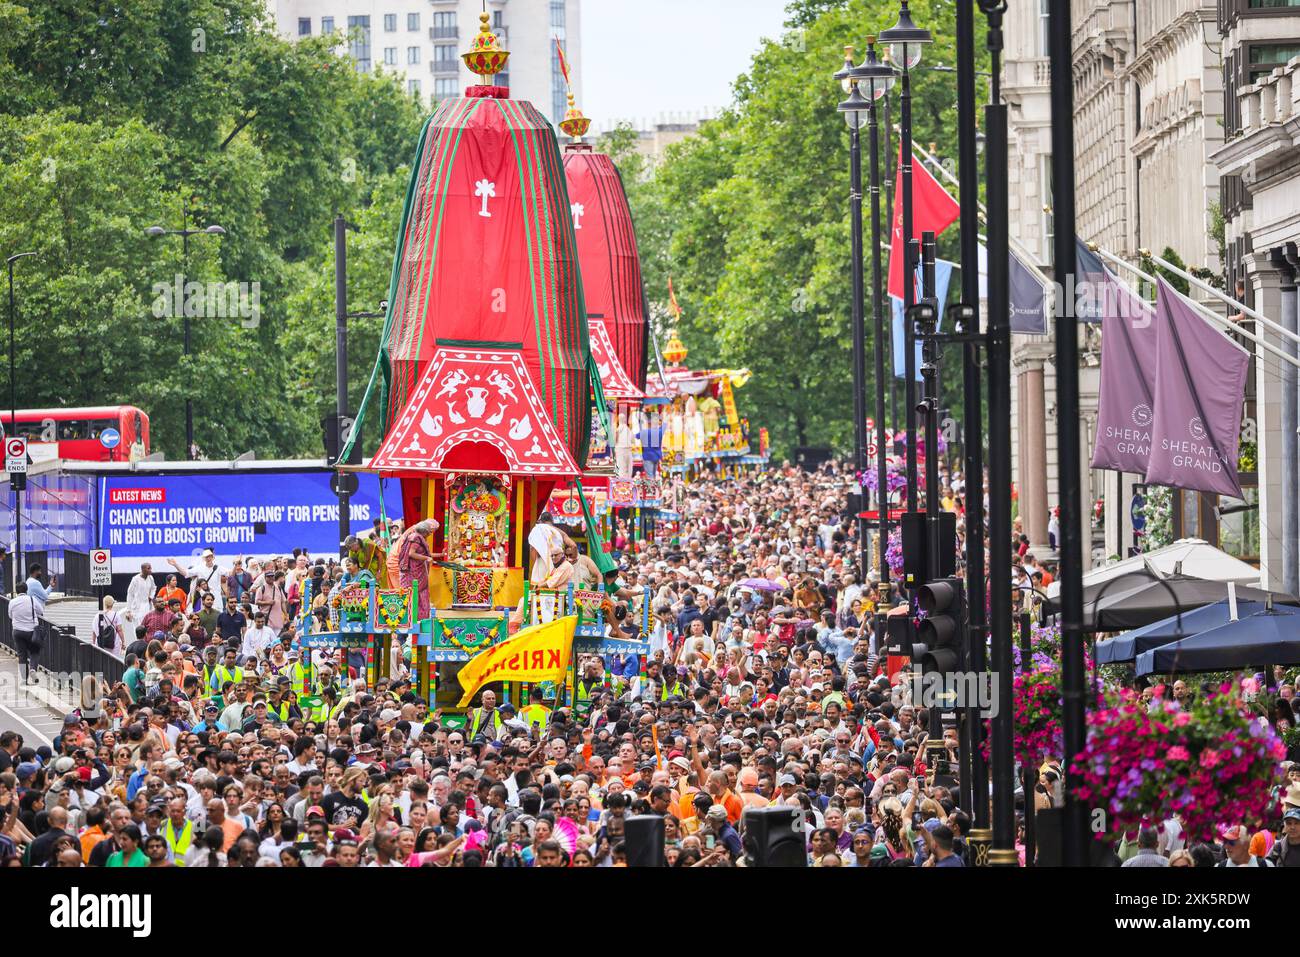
(942, 276)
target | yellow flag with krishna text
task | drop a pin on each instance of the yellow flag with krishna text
(537, 653)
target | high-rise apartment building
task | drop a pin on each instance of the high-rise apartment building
(422, 40)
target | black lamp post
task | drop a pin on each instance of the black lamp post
(853, 110)
(970, 144)
(906, 42)
(1002, 758)
(1075, 829)
(13, 422)
(876, 78)
(154, 232)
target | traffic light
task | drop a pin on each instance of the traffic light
(939, 647)
(332, 433)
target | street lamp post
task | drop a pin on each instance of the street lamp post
(343, 484)
(889, 185)
(13, 422)
(876, 78)
(154, 232)
(853, 110)
(969, 145)
(906, 42)
(1075, 829)
(930, 402)
(1002, 758)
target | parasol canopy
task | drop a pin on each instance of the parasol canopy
(1270, 637)
(1157, 598)
(1190, 556)
(1128, 646)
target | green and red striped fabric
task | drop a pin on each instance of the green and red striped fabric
(607, 251)
(486, 256)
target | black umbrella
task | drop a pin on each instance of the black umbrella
(1146, 602)
(1269, 637)
(1111, 586)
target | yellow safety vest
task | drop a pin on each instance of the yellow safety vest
(536, 712)
(179, 845)
(301, 678)
(320, 713)
(223, 675)
(478, 716)
(282, 713)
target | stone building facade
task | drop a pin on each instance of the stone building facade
(1259, 162)
(1148, 112)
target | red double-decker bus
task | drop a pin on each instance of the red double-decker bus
(79, 433)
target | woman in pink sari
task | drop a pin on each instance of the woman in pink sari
(409, 561)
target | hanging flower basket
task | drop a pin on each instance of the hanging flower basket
(1213, 764)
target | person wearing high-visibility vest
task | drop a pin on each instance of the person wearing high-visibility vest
(226, 671)
(588, 686)
(660, 685)
(210, 665)
(489, 713)
(276, 707)
(280, 704)
(301, 676)
(178, 831)
(329, 706)
(535, 712)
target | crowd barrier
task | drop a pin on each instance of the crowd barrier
(65, 658)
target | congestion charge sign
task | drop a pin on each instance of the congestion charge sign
(156, 517)
(101, 567)
(16, 455)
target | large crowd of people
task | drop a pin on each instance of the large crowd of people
(228, 745)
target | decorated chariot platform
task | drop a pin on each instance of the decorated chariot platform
(490, 386)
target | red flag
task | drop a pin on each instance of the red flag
(933, 210)
(564, 63)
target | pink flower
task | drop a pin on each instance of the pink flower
(1178, 753)
(1209, 758)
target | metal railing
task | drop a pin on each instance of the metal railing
(67, 659)
(71, 566)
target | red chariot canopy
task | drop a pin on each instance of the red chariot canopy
(611, 266)
(486, 266)
(475, 396)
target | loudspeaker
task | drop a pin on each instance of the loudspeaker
(774, 837)
(643, 836)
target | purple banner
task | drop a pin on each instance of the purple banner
(1028, 299)
(1200, 388)
(1128, 368)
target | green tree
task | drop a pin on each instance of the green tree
(758, 229)
(125, 115)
